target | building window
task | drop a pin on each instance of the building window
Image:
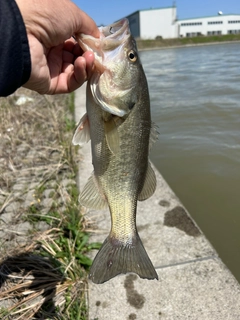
(193, 34)
(215, 22)
(191, 24)
(233, 31)
(212, 33)
(234, 21)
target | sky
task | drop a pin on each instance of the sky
(105, 12)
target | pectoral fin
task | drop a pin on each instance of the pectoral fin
(112, 136)
(149, 185)
(153, 135)
(82, 132)
(91, 196)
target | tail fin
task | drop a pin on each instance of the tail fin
(115, 257)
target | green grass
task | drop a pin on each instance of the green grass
(159, 43)
(209, 39)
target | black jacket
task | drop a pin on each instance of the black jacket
(15, 60)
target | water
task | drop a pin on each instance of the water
(195, 100)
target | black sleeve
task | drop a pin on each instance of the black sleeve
(15, 60)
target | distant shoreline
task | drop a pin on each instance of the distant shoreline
(187, 45)
(185, 42)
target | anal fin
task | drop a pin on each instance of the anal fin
(150, 184)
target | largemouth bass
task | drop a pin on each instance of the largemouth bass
(118, 122)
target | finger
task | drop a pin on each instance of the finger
(77, 50)
(68, 57)
(69, 44)
(83, 67)
(79, 76)
(67, 68)
(89, 57)
(71, 47)
(72, 77)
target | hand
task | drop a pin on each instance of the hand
(58, 63)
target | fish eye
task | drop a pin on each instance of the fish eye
(132, 56)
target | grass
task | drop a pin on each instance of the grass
(160, 43)
(46, 277)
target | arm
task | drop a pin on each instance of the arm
(15, 61)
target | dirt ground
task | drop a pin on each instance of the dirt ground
(37, 183)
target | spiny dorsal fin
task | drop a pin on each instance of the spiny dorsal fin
(112, 135)
(149, 184)
(82, 132)
(91, 196)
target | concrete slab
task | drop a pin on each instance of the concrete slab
(200, 290)
(193, 282)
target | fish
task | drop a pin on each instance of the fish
(118, 123)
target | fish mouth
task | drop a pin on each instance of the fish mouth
(108, 51)
(111, 37)
(117, 30)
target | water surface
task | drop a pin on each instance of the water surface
(195, 100)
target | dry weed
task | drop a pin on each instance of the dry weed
(43, 276)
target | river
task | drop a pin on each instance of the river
(195, 101)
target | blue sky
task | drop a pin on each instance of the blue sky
(106, 12)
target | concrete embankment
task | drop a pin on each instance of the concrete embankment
(193, 282)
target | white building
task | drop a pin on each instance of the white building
(152, 23)
(220, 24)
(162, 22)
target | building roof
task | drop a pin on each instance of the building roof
(150, 10)
(204, 17)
